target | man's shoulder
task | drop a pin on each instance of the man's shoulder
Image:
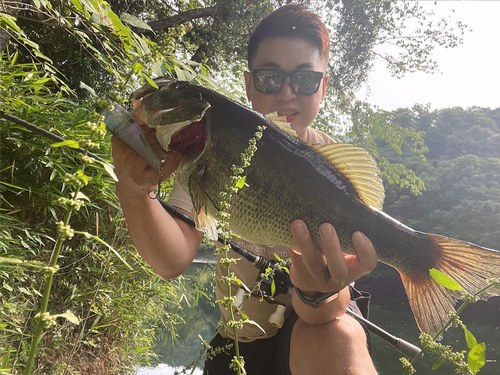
(315, 136)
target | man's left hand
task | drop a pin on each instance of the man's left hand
(310, 267)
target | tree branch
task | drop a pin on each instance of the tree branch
(189, 15)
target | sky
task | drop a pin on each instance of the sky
(470, 73)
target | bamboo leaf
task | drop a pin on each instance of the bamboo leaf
(67, 143)
(10, 22)
(476, 358)
(111, 170)
(11, 260)
(150, 81)
(88, 88)
(80, 196)
(134, 21)
(444, 280)
(246, 321)
(68, 315)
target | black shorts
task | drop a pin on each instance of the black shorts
(271, 356)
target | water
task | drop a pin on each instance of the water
(389, 310)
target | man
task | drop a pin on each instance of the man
(285, 50)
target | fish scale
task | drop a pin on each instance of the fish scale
(288, 179)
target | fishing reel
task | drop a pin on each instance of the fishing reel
(272, 281)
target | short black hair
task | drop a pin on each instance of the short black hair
(291, 21)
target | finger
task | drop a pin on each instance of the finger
(130, 166)
(170, 164)
(366, 258)
(151, 138)
(332, 249)
(312, 258)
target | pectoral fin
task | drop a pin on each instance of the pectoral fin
(203, 220)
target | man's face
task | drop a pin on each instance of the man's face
(288, 55)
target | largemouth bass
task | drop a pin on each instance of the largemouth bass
(289, 179)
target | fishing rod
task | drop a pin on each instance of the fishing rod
(281, 278)
(45, 133)
(283, 284)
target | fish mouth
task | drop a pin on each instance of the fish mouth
(191, 139)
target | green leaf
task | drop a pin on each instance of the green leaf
(68, 143)
(438, 363)
(476, 358)
(80, 196)
(444, 280)
(241, 182)
(14, 59)
(70, 317)
(10, 22)
(11, 260)
(273, 288)
(180, 74)
(150, 81)
(88, 88)
(111, 170)
(82, 176)
(137, 67)
(469, 337)
(134, 21)
(254, 324)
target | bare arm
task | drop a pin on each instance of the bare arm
(168, 245)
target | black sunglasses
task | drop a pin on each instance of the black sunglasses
(271, 81)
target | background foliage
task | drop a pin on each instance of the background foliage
(50, 47)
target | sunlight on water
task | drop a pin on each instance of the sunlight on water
(162, 369)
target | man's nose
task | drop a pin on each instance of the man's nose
(286, 93)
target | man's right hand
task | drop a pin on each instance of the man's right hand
(135, 175)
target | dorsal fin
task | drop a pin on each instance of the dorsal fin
(358, 166)
(281, 123)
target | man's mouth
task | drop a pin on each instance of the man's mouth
(287, 113)
(290, 115)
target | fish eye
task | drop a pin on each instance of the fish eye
(182, 85)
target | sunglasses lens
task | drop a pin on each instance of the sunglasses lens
(268, 81)
(306, 83)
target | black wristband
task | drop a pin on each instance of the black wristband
(318, 300)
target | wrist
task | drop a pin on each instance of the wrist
(316, 299)
(129, 191)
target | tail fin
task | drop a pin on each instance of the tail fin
(468, 264)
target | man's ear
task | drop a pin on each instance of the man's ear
(248, 80)
(323, 89)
